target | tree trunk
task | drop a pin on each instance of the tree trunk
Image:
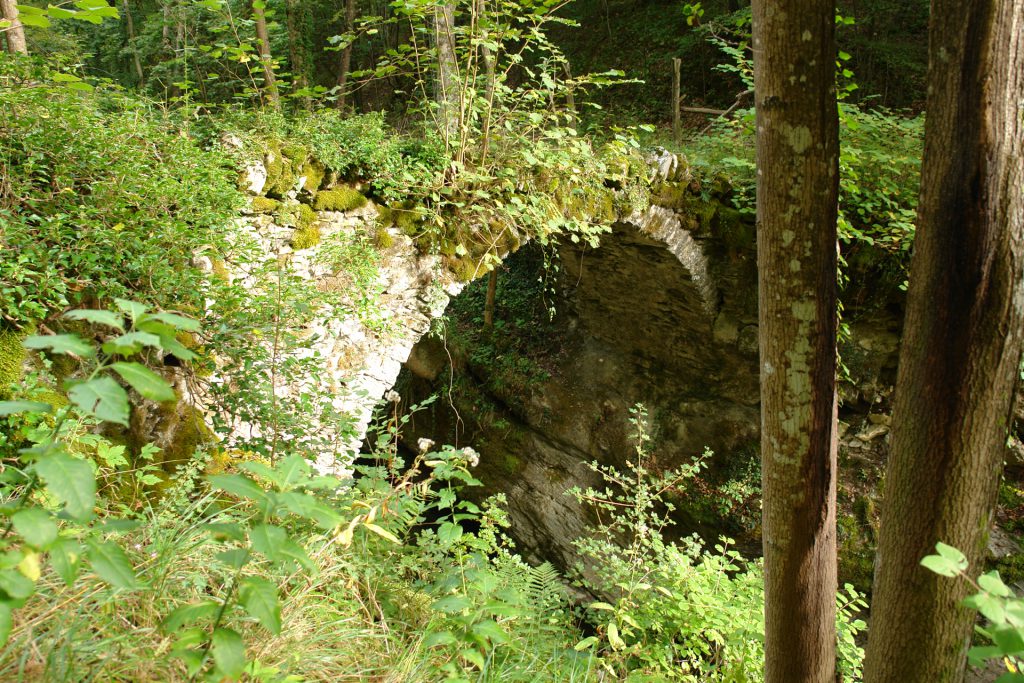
(346, 54)
(492, 289)
(797, 191)
(263, 42)
(447, 95)
(677, 127)
(15, 33)
(297, 49)
(962, 340)
(130, 26)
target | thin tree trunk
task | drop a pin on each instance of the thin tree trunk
(15, 33)
(447, 96)
(488, 61)
(263, 42)
(677, 128)
(297, 50)
(797, 191)
(492, 289)
(962, 340)
(346, 54)
(130, 26)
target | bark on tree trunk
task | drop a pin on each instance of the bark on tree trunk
(797, 190)
(346, 54)
(962, 340)
(492, 289)
(15, 33)
(296, 49)
(130, 26)
(263, 42)
(447, 74)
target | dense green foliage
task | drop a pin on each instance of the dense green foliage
(127, 289)
(80, 170)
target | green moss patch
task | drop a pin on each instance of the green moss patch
(307, 237)
(341, 198)
(382, 239)
(264, 205)
(313, 172)
(12, 360)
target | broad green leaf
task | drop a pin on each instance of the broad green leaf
(449, 533)
(15, 584)
(602, 606)
(940, 565)
(261, 470)
(237, 485)
(33, 19)
(112, 565)
(176, 321)
(616, 642)
(59, 12)
(14, 407)
(436, 638)
(586, 643)
(67, 344)
(6, 622)
(108, 318)
(473, 656)
(65, 555)
(950, 553)
(71, 481)
(490, 630)
(989, 605)
(102, 397)
(993, 584)
(145, 381)
(133, 309)
(293, 470)
(234, 558)
(228, 653)
(131, 343)
(259, 598)
(451, 604)
(36, 526)
(268, 540)
(1009, 640)
(949, 561)
(189, 614)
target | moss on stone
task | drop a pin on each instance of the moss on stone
(273, 162)
(283, 163)
(313, 172)
(190, 433)
(306, 237)
(220, 270)
(12, 360)
(341, 198)
(306, 217)
(385, 216)
(465, 268)
(407, 217)
(382, 239)
(264, 205)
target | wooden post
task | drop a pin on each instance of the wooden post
(677, 129)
